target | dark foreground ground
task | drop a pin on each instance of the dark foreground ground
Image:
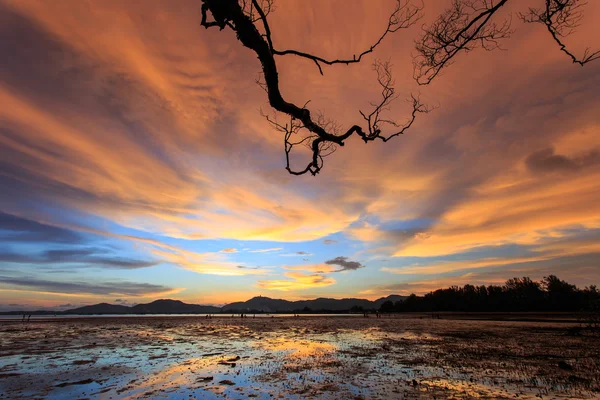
(306, 357)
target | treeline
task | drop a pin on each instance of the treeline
(517, 294)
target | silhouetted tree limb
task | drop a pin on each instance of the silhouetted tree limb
(561, 17)
(466, 25)
(469, 24)
(323, 136)
(403, 16)
(463, 27)
(375, 120)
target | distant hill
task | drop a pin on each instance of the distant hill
(267, 304)
(260, 304)
(102, 308)
(172, 307)
(156, 307)
(257, 304)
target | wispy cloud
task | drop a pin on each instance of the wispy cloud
(314, 268)
(88, 257)
(207, 263)
(18, 229)
(113, 288)
(296, 254)
(246, 267)
(297, 281)
(266, 250)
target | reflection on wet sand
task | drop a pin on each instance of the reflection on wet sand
(297, 348)
(295, 358)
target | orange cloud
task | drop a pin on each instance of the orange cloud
(90, 295)
(315, 268)
(207, 263)
(299, 281)
(445, 267)
(523, 214)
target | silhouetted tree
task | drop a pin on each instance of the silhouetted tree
(387, 306)
(464, 26)
(593, 316)
(517, 294)
(524, 294)
(561, 295)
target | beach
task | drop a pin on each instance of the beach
(323, 357)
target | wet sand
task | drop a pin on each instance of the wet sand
(305, 357)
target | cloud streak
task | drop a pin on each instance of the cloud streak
(78, 257)
(17, 229)
(270, 250)
(115, 288)
(297, 281)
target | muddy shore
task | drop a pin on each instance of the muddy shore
(305, 357)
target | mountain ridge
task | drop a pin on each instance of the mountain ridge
(255, 304)
(161, 306)
(267, 304)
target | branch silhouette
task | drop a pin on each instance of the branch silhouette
(463, 27)
(561, 18)
(469, 24)
(321, 139)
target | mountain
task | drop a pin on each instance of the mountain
(172, 307)
(156, 307)
(267, 304)
(259, 303)
(102, 308)
(335, 304)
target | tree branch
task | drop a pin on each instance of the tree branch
(561, 18)
(462, 27)
(403, 16)
(466, 25)
(324, 136)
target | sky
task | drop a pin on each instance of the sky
(135, 163)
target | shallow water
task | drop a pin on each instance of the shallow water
(307, 357)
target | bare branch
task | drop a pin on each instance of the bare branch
(324, 135)
(249, 8)
(463, 27)
(263, 17)
(404, 15)
(376, 120)
(561, 18)
(466, 25)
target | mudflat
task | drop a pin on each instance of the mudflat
(305, 357)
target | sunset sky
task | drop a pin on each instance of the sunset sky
(135, 163)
